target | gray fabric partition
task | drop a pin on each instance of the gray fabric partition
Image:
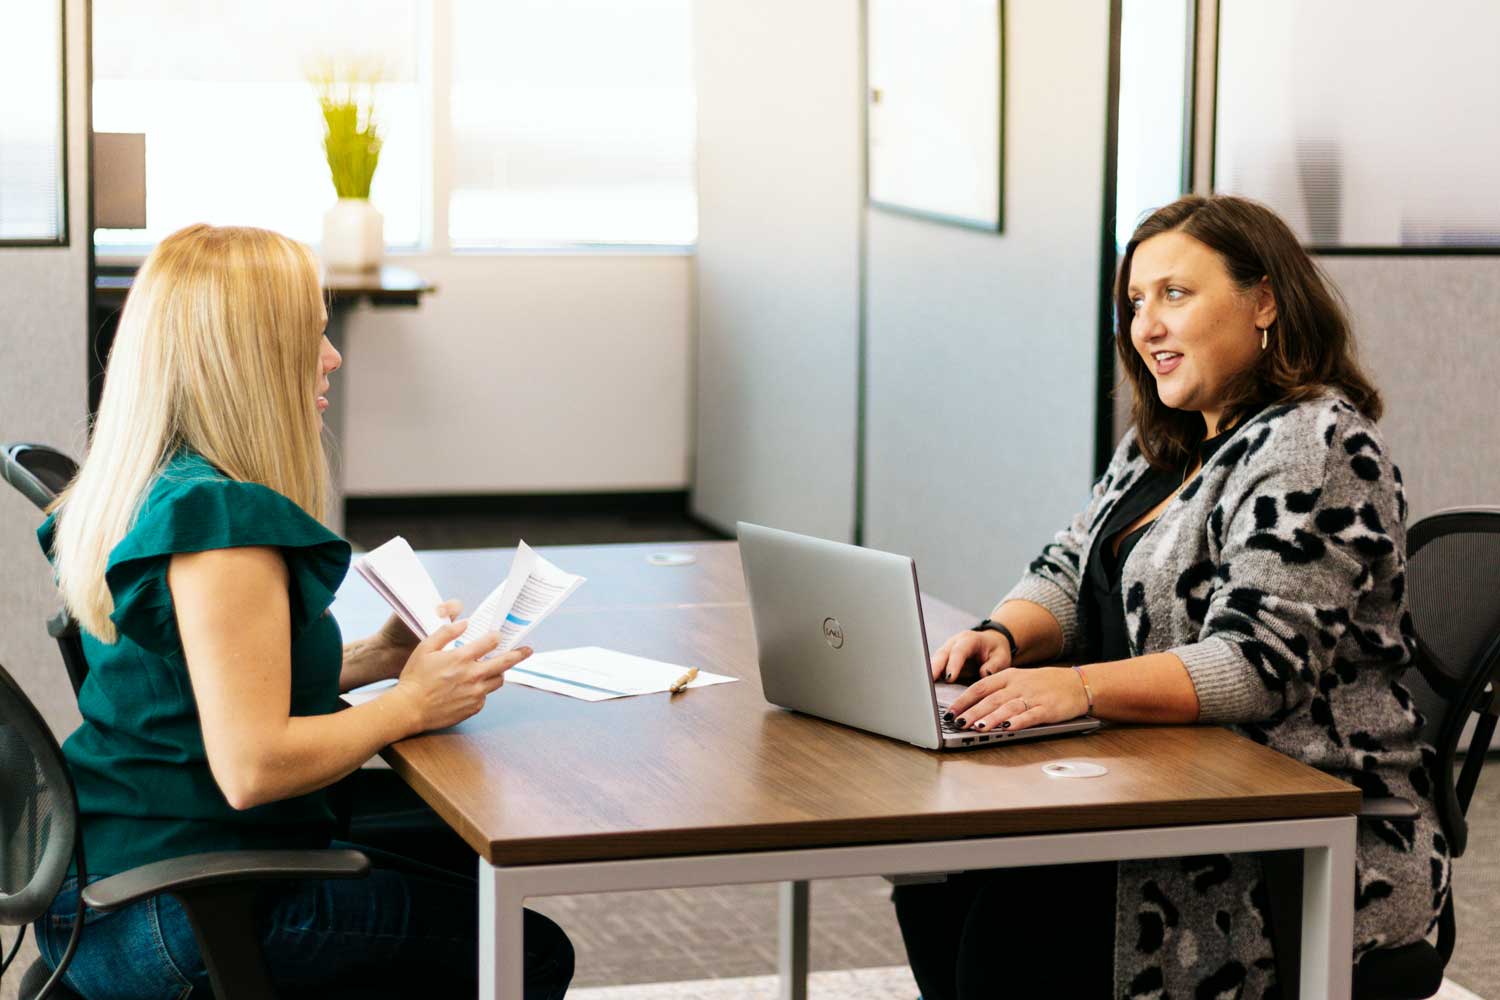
(779, 161)
(1428, 329)
(43, 398)
(983, 348)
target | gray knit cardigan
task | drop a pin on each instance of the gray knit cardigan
(1277, 576)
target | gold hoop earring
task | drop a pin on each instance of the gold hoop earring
(1265, 337)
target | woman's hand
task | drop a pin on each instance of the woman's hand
(1016, 699)
(395, 636)
(445, 687)
(971, 654)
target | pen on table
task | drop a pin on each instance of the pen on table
(682, 682)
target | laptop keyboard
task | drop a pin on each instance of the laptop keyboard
(946, 726)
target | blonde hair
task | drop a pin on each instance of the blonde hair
(217, 351)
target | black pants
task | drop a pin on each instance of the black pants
(1012, 932)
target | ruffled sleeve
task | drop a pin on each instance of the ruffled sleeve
(212, 512)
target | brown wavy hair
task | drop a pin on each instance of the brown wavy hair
(1311, 347)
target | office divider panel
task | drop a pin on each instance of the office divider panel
(780, 197)
(43, 391)
(1427, 330)
(983, 348)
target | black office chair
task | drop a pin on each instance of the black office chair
(40, 473)
(1453, 588)
(39, 837)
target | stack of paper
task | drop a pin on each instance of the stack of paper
(594, 674)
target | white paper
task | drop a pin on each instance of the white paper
(531, 591)
(398, 576)
(360, 695)
(591, 673)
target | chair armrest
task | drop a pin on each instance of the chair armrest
(1392, 807)
(62, 625)
(221, 868)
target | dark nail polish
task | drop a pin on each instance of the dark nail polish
(1005, 724)
(950, 678)
(961, 722)
(947, 716)
(978, 725)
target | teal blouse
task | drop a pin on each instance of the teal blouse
(144, 787)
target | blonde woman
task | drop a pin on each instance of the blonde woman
(190, 550)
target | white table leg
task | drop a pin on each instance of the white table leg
(1328, 915)
(792, 940)
(502, 955)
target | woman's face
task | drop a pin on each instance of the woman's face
(1192, 326)
(329, 361)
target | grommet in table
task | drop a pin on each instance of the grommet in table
(671, 559)
(1073, 769)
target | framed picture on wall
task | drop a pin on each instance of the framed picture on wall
(935, 141)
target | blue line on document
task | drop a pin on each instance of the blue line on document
(564, 680)
(518, 621)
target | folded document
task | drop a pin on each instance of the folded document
(531, 591)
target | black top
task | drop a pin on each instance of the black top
(1101, 601)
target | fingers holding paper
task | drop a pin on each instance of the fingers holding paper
(446, 686)
(397, 634)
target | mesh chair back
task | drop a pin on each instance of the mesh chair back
(1453, 589)
(40, 473)
(38, 810)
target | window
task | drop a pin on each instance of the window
(573, 121)
(1155, 109)
(569, 121)
(31, 127)
(1364, 123)
(232, 125)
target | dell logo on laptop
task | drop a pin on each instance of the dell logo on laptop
(833, 632)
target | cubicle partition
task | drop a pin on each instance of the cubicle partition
(43, 387)
(864, 374)
(780, 150)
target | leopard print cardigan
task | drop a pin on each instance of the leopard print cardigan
(1277, 576)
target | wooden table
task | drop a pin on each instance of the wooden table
(715, 786)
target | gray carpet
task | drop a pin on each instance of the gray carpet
(1476, 897)
(473, 528)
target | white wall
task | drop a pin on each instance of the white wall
(523, 374)
(43, 398)
(780, 152)
(982, 347)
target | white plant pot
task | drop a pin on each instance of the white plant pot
(353, 235)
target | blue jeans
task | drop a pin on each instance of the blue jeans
(405, 930)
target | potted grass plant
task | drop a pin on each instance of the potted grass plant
(353, 229)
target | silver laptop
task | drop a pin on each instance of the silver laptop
(840, 635)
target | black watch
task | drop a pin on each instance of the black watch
(990, 625)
